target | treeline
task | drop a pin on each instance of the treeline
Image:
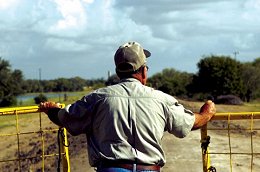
(13, 84)
(60, 85)
(216, 76)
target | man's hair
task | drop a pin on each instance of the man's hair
(123, 75)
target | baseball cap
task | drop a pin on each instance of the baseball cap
(130, 56)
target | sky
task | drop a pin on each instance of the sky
(50, 39)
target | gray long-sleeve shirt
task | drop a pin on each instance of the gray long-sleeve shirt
(127, 121)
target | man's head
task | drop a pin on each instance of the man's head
(130, 57)
(130, 60)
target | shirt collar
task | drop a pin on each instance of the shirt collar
(129, 80)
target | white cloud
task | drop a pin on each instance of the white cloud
(245, 41)
(65, 45)
(73, 15)
(174, 31)
(106, 8)
(88, 1)
(253, 4)
(5, 4)
(251, 12)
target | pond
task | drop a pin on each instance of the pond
(26, 97)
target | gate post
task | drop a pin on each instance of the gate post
(65, 148)
(204, 149)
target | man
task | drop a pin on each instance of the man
(125, 123)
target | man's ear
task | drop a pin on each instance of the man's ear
(144, 72)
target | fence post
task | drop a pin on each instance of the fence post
(204, 150)
(65, 149)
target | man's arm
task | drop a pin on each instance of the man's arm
(51, 109)
(207, 111)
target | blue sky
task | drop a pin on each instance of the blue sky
(68, 38)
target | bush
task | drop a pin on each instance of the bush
(8, 101)
(228, 100)
(40, 98)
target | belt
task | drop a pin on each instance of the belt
(129, 166)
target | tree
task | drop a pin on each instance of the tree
(219, 75)
(114, 79)
(251, 79)
(77, 83)
(10, 84)
(256, 63)
(171, 81)
(31, 86)
(40, 98)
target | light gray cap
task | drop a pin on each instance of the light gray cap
(130, 56)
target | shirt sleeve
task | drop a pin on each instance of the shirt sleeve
(179, 120)
(76, 117)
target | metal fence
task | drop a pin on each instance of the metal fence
(234, 142)
(29, 141)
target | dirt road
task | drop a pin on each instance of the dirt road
(182, 154)
(185, 154)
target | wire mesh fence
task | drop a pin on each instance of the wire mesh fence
(29, 141)
(234, 142)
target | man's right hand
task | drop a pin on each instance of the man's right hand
(45, 106)
(51, 109)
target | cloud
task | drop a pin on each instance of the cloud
(107, 8)
(190, 17)
(6, 4)
(64, 45)
(79, 37)
(245, 41)
(72, 15)
(88, 1)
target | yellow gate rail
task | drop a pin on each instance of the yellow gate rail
(17, 112)
(205, 139)
(21, 111)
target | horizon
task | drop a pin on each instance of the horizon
(72, 38)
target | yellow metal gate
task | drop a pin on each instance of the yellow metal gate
(29, 141)
(239, 150)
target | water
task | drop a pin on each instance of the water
(26, 97)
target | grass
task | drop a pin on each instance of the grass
(192, 105)
(60, 99)
(246, 107)
(4, 125)
(29, 122)
(9, 121)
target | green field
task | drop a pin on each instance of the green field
(193, 105)
(30, 144)
(53, 96)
